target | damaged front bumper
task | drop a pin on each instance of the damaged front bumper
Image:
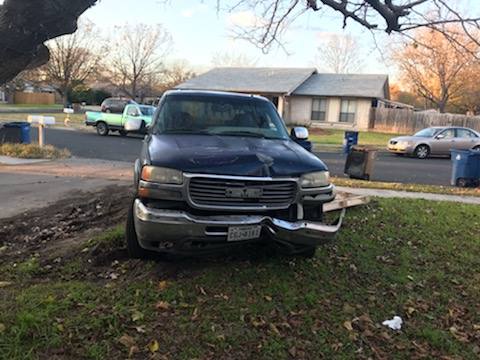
(181, 232)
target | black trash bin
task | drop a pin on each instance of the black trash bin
(15, 132)
(360, 163)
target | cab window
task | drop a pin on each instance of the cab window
(132, 111)
(448, 134)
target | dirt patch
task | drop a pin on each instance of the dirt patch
(56, 229)
(61, 235)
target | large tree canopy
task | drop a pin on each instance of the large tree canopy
(26, 24)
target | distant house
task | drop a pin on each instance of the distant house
(302, 95)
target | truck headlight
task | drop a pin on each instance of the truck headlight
(315, 179)
(162, 175)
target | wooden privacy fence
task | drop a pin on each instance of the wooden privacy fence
(34, 98)
(406, 121)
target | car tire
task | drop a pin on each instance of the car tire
(133, 247)
(476, 148)
(108, 111)
(122, 133)
(422, 151)
(102, 128)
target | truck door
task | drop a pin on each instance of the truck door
(131, 112)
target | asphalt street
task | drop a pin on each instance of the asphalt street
(391, 168)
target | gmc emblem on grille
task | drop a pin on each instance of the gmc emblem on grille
(244, 193)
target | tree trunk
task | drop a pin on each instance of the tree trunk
(65, 99)
(26, 24)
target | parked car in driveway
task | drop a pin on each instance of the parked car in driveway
(115, 105)
(132, 114)
(435, 141)
(219, 169)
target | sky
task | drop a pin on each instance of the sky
(199, 31)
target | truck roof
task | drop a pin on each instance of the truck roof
(213, 94)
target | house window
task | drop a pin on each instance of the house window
(348, 110)
(319, 109)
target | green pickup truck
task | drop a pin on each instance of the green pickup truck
(133, 113)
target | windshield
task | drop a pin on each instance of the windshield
(430, 132)
(219, 115)
(147, 110)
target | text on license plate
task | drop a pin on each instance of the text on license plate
(239, 233)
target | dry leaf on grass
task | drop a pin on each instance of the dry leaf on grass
(162, 305)
(162, 285)
(153, 346)
(348, 325)
(127, 341)
(5, 284)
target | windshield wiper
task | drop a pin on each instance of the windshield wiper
(186, 132)
(242, 133)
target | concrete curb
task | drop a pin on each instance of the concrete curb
(11, 161)
(411, 195)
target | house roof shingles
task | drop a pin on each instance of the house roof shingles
(346, 85)
(290, 81)
(251, 80)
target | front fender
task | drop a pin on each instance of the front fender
(136, 172)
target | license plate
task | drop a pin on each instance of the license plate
(239, 233)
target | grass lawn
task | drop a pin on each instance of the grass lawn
(411, 258)
(31, 106)
(33, 151)
(59, 117)
(434, 189)
(335, 137)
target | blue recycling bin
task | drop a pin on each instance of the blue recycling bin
(350, 139)
(23, 128)
(465, 168)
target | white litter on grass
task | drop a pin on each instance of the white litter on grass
(394, 324)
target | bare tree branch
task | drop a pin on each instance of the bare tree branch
(138, 58)
(390, 16)
(339, 55)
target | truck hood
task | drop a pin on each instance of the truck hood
(232, 155)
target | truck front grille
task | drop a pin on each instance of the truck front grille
(226, 193)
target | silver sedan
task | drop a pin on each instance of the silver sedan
(435, 141)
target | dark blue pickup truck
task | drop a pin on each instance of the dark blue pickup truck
(219, 169)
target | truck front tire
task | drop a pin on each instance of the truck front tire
(102, 128)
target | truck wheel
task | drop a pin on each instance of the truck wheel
(122, 133)
(102, 128)
(422, 151)
(133, 248)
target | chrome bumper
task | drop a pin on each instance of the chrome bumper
(176, 231)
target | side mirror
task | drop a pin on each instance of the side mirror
(299, 133)
(133, 125)
(440, 137)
